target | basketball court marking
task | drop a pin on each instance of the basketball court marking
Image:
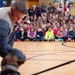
(67, 45)
(60, 65)
(55, 67)
(41, 53)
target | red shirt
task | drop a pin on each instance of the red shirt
(55, 31)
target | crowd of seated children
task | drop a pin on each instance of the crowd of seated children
(46, 26)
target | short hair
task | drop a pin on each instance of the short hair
(50, 3)
(20, 6)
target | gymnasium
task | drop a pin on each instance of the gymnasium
(46, 35)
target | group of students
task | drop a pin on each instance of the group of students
(32, 34)
(50, 35)
(48, 26)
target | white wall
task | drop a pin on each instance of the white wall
(12, 1)
(62, 3)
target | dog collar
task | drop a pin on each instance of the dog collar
(9, 67)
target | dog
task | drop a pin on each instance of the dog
(10, 64)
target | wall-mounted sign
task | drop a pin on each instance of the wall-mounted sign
(57, 2)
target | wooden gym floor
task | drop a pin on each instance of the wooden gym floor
(54, 57)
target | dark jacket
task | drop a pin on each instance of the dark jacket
(51, 9)
(70, 34)
(38, 11)
(24, 36)
(4, 40)
(41, 34)
(31, 12)
(7, 42)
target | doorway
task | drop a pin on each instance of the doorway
(32, 2)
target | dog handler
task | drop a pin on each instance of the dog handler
(8, 16)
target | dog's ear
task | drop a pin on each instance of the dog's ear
(20, 62)
(3, 63)
(10, 59)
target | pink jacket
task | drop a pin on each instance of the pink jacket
(31, 34)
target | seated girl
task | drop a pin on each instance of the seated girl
(31, 34)
(61, 35)
(55, 29)
(49, 36)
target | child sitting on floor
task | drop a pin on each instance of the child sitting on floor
(39, 35)
(22, 35)
(49, 36)
(71, 34)
(31, 34)
(61, 35)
